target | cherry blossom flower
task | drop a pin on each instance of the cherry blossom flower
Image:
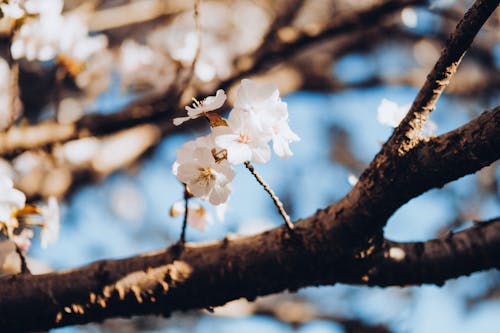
(210, 103)
(51, 222)
(11, 200)
(389, 113)
(198, 217)
(258, 117)
(243, 139)
(204, 176)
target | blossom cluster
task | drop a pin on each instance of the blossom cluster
(16, 220)
(259, 117)
(47, 33)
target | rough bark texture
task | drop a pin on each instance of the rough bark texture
(326, 248)
(341, 243)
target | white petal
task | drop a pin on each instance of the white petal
(238, 153)
(188, 172)
(261, 153)
(215, 102)
(281, 147)
(219, 195)
(200, 189)
(180, 120)
(51, 217)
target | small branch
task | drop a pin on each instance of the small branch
(406, 135)
(268, 189)
(24, 265)
(186, 211)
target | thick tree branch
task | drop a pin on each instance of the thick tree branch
(324, 249)
(437, 260)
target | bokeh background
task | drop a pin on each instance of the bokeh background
(332, 88)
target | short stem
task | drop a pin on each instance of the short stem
(184, 222)
(24, 265)
(275, 198)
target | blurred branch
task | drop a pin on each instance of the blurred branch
(135, 12)
(333, 245)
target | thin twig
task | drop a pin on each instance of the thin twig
(24, 265)
(184, 221)
(276, 200)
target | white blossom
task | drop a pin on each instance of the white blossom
(143, 67)
(204, 176)
(389, 113)
(51, 222)
(51, 34)
(198, 217)
(243, 139)
(12, 10)
(259, 116)
(210, 103)
(11, 200)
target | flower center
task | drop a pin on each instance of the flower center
(243, 138)
(205, 176)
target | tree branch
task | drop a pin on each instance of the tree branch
(436, 260)
(406, 135)
(324, 249)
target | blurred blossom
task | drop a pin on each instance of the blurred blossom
(70, 110)
(389, 113)
(9, 101)
(11, 200)
(127, 202)
(6, 169)
(352, 179)
(51, 222)
(224, 36)
(143, 67)
(12, 10)
(26, 162)
(23, 239)
(31, 170)
(10, 262)
(50, 34)
(409, 17)
(95, 77)
(44, 7)
(198, 217)
(79, 152)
